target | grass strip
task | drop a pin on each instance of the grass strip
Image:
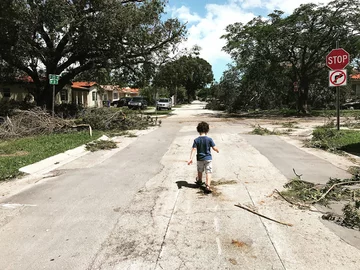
(18, 153)
(335, 140)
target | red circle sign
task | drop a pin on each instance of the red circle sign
(337, 59)
(337, 77)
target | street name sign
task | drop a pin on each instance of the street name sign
(54, 79)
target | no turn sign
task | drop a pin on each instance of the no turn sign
(337, 77)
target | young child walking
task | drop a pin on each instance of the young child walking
(202, 146)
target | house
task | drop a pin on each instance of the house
(111, 92)
(87, 94)
(18, 90)
(355, 84)
(128, 92)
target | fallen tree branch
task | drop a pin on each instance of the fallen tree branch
(301, 206)
(256, 213)
(282, 196)
(297, 175)
(337, 184)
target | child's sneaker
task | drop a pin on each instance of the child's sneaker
(198, 182)
(207, 190)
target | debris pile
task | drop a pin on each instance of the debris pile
(107, 119)
(31, 122)
(347, 191)
(100, 145)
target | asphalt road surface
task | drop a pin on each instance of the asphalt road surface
(139, 208)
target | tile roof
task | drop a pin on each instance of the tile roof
(82, 84)
(355, 76)
(25, 79)
(110, 87)
(128, 90)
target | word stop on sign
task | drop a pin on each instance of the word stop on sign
(337, 59)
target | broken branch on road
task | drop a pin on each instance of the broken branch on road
(260, 215)
(346, 191)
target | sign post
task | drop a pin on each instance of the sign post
(337, 60)
(54, 80)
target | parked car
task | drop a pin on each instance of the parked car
(137, 103)
(354, 105)
(163, 103)
(121, 102)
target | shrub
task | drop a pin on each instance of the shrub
(7, 107)
(68, 110)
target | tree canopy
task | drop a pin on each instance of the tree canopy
(191, 72)
(70, 37)
(274, 53)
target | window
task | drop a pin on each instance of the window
(6, 92)
(116, 95)
(94, 97)
(64, 95)
(105, 97)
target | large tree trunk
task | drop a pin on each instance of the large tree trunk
(303, 95)
(43, 96)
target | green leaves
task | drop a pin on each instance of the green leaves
(272, 53)
(71, 37)
(191, 72)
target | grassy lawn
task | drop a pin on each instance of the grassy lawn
(18, 153)
(334, 140)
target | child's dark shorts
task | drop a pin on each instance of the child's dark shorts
(204, 165)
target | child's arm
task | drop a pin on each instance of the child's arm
(215, 149)
(193, 150)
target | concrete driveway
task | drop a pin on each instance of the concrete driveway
(139, 208)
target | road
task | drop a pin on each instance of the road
(139, 208)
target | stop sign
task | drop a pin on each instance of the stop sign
(337, 59)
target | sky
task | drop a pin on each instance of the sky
(206, 21)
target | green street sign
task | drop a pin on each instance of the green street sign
(54, 79)
(54, 76)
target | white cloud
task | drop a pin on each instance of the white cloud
(184, 14)
(206, 30)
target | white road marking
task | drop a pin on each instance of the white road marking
(219, 245)
(216, 224)
(14, 205)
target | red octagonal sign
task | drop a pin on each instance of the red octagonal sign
(337, 59)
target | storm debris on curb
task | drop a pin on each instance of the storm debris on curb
(345, 191)
(100, 145)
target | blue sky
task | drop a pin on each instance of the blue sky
(207, 19)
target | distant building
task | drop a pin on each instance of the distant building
(355, 84)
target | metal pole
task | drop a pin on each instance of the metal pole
(337, 100)
(53, 101)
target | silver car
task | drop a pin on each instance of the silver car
(164, 103)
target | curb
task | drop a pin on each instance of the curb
(44, 166)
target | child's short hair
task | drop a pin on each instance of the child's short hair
(203, 127)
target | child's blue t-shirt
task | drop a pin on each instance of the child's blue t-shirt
(203, 145)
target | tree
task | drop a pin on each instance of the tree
(71, 37)
(191, 72)
(284, 50)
